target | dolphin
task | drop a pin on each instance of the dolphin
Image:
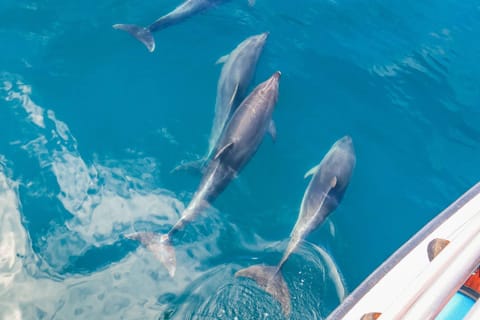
(182, 12)
(235, 78)
(241, 139)
(324, 192)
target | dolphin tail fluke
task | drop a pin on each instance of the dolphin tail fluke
(160, 246)
(271, 280)
(195, 166)
(142, 34)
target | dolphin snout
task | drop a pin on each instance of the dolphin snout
(346, 143)
(270, 86)
(347, 139)
(261, 38)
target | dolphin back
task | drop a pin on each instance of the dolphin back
(270, 279)
(328, 184)
(142, 34)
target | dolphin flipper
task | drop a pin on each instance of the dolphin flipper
(144, 35)
(272, 130)
(312, 171)
(222, 59)
(271, 280)
(160, 246)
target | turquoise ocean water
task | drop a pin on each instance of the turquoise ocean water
(92, 123)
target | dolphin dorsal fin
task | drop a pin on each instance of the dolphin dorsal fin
(272, 130)
(333, 183)
(311, 171)
(234, 95)
(223, 150)
(222, 59)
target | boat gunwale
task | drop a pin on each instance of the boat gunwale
(375, 277)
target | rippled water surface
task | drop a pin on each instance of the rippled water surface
(92, 124)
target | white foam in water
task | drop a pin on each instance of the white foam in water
(34, 111)
(127, 289)
(12, 240)
(100, 212)
(106, 294)
(60, 127)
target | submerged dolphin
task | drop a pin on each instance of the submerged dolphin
(241, 139)
(179, 14)
(235, 78)
(324, 193)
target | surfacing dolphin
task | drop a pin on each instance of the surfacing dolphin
(235, 78)
(322, 196)
(182, 12)
(241, 139)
